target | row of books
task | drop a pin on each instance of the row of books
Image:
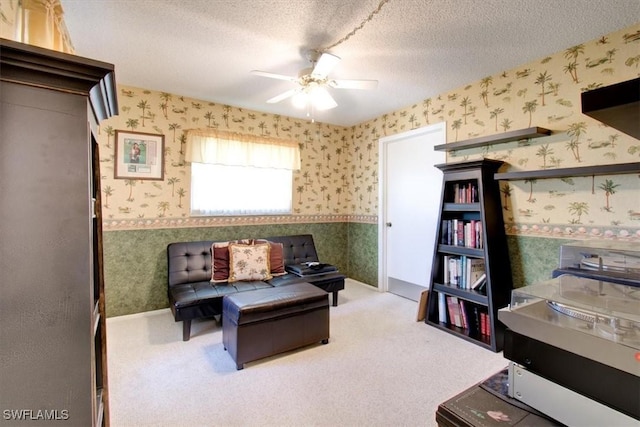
(458, 232)
(465, 193)
(464, 272)
(463, 314)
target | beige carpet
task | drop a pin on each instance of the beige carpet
(380, 368)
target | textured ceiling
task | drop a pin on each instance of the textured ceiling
(416, 49)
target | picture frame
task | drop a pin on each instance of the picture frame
(139, 155)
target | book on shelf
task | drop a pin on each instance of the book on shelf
(452, 265)
(472, 231)
(442, 308)
(476, 320)
(445, 270)
(465, 193)
(482, 286)
(485, 327)
(476, 270)
(458, 232)
(462, 271)
(447, 232)
(453, 307)
(467, 315)
(479, 282)
(463, 314)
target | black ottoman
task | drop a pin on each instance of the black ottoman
(264, 322)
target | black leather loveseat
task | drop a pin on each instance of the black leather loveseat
(193, 295)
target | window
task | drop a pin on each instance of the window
(235, 174)
(240, 190)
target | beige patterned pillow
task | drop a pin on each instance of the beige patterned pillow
(220, 260)
(249, 262)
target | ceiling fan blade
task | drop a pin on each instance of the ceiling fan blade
(274, 76)
(324, 65)
(322, 100)
(282, 96)
(354, 84)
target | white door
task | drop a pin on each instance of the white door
(409, 204)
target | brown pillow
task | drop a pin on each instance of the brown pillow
(249, 262)
(220, 263)
(277, 259)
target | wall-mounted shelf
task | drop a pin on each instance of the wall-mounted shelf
(619, 169)
(617, 105)
(516, 135)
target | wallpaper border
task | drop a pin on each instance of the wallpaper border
(577, 232)
(555, 231)
(157, 223)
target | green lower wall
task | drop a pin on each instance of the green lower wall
(363, 253)
(533, 259)
(135, 263)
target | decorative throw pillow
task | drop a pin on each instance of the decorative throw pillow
(220, 260)
(249, 262)
(276, 257)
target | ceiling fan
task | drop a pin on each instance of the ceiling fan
(313, 82)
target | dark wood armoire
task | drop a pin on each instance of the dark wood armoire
(52, 312)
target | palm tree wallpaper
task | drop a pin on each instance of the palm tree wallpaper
(321, 186)
(335, 194)
(339, 176)
(546, 94)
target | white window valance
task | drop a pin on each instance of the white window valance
(236, 149)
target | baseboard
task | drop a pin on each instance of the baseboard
(366, 285)
(151, 313)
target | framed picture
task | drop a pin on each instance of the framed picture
(139, 156)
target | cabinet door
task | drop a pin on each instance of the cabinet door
(45, 256)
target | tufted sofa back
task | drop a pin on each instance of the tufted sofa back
(297, 249)
(190, 262)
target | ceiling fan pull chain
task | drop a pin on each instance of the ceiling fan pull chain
(359, 27)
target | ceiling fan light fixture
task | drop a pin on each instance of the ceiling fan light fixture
(321, 100)
(312, 93)
(300, 99)
(314, 96)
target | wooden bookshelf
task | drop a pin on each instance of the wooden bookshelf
(483, 238)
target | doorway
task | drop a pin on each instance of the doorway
(409, 194)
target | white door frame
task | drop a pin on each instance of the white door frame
(383, 284)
